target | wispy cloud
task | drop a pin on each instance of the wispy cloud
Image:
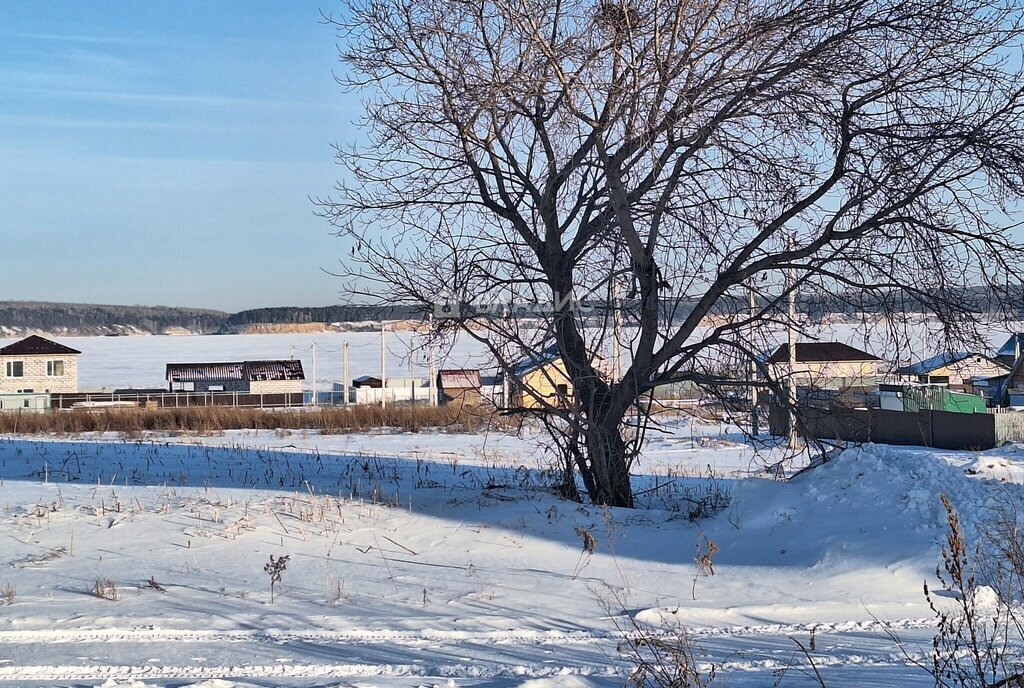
(168, 98)
(80, 38)
(102, 95)
(16, 121)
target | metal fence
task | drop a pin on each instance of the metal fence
(159, 400)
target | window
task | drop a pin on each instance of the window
(15, 369)
(25, 403)
(55, 368)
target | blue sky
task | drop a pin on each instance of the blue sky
(163, 152)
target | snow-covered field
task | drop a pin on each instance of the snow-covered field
(440, 559)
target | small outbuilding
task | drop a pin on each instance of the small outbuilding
(26, 402)
(248, 377)
(460, 386)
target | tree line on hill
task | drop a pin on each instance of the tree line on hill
(17, 317)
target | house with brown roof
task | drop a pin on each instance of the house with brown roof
(826, 364)
(248, 377)
(460, 386)
(38, 365)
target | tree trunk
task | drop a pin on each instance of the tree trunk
(608, 464)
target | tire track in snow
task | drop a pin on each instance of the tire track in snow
(333, 671)
(748, 659)
(360, 636)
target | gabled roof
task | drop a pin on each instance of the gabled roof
(938, 361)
(290, 369)
(34, 345)
(460, 379)
(1009, 348)
(821, 352)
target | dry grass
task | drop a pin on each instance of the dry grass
(105, 589)
(213, 419)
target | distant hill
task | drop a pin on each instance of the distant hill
(19, 318)
(82, 319)
(324, 315)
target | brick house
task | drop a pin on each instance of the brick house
(826, 365)
(36, 364)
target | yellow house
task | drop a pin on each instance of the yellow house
(826, 364)
(541, 380)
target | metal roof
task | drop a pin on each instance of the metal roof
(243, 370)
(290, 369)
(34, 345)
(1009, 348)
(938, 361)
(538, 360)
(460, 379)
(814, 352)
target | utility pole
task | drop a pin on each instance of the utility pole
(344, 374)
(503, 369)
(791, 283)
(754, 429)
(314, 374)
(431, 373)
(383, 368)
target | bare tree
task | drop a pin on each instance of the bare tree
(666, 155)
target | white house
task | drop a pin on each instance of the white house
(38, 365)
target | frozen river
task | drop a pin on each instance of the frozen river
(138, 361)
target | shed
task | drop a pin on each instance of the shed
(460, 385)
